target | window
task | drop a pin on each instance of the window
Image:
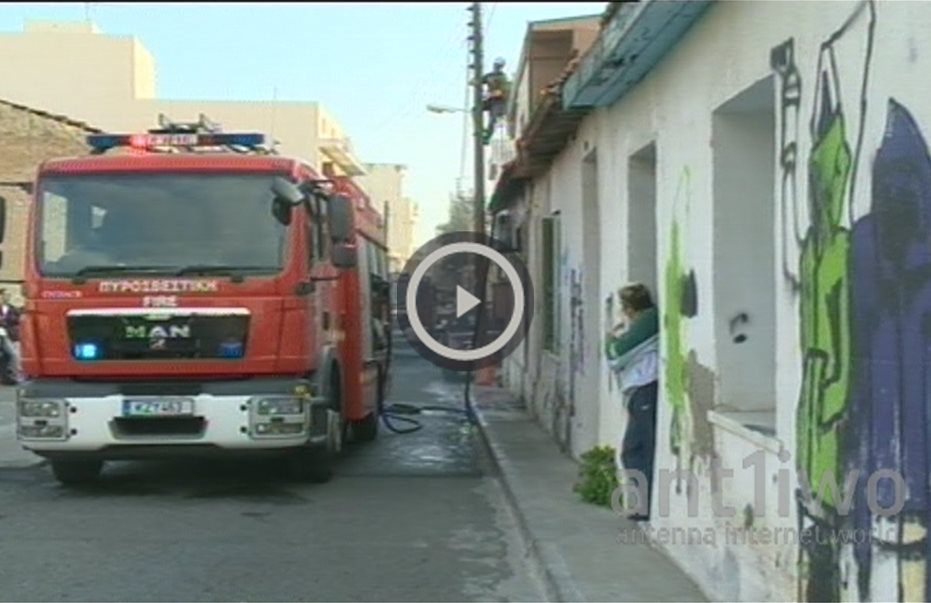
(641, 217)
(744, 181)
(372, 257)
(157, 222)
(54, 232)
(551, 279)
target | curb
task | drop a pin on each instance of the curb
(557, 585)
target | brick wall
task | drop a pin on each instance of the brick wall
(27, 138)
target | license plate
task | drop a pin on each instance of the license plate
(157, 408)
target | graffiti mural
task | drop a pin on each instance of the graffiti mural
(674, 327)
(782, 60)
(891, 279)
(824, 334)
(823, 286)
(865, 295)
(576, 324)
(689, 385)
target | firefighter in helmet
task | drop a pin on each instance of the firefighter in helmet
(497, 87)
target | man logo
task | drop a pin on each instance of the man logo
(158, 332)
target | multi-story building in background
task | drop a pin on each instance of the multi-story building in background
(110, 81)
(384, 183)
(28, 138)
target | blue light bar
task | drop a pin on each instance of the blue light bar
(239, 140)
(102, 142)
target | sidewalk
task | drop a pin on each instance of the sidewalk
(575, 544)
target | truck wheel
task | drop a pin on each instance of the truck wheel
(315, 463)
(366, 430)
(73, 473)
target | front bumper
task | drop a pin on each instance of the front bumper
(59, 417)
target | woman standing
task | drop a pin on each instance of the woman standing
(634, 353)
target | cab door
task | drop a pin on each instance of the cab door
(369, 334)
(316, 289)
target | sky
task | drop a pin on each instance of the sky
(374, 67)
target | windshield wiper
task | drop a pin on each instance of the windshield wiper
(102, 270)
(214, 269)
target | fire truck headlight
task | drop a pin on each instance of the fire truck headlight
(41, 408)
(42, 419)
(280, 406)
(55, 432)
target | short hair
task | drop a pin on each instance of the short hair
(636, 297)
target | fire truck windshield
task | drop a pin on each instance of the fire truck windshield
(153, 223)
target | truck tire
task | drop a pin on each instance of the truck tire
(74, 473)
(313, 465)
(366, 430)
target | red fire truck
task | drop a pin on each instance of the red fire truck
(190, 292)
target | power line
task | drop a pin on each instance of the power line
(491, 14)
(408, 108)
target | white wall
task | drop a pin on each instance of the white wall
(728, 51)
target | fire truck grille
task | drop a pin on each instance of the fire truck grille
(100, 337)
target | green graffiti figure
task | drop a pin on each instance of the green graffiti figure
(825, 337)
(676, 376)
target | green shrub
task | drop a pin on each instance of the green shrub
(597, 476)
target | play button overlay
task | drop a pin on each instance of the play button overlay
(464, 301)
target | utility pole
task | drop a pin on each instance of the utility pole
(478, 117)
(478, 199)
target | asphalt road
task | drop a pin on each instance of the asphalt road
(418, 517)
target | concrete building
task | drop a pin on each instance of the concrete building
(763, 167)
(406, 220)
(28, 137)
(550, 50)
(73, 69)
(385, 184)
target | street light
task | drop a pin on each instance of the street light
(445, 109)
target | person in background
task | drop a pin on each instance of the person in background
(634, 353)
(9, 320)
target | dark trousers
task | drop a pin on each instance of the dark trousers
(639, 445)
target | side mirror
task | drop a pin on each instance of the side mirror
(343, 256)
(282, 210)
(287, 192)
(2, 218)
(340, 212)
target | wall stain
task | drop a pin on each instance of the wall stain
(701, 395)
